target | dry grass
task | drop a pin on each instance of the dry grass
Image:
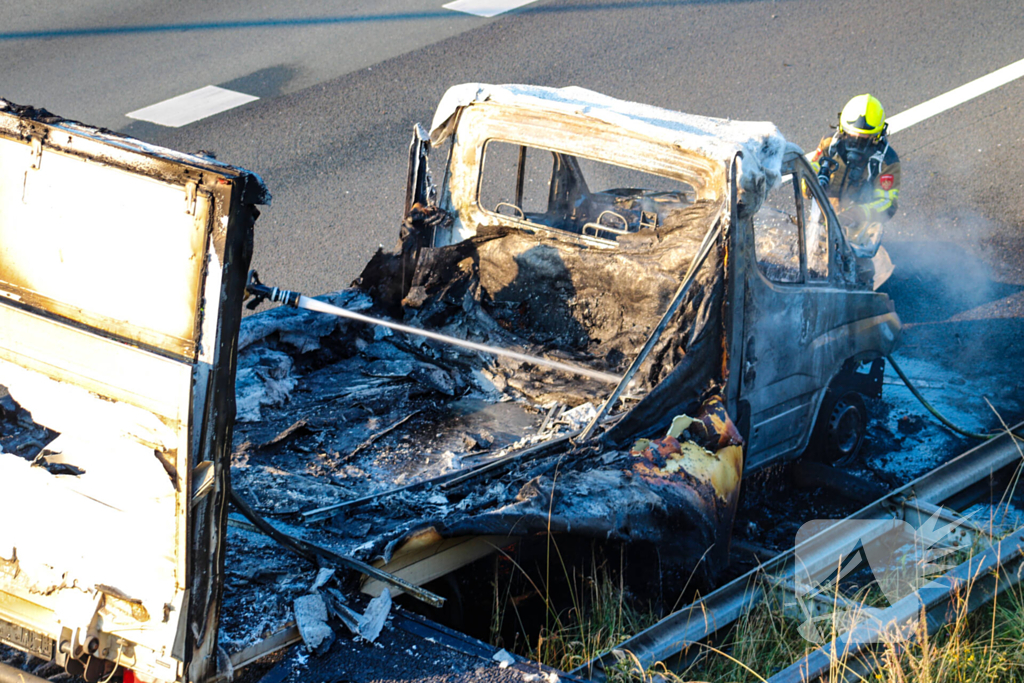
(601, 615)
(985, 645)
(601, 622)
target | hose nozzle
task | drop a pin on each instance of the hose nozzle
(260, 293)
(826, 166)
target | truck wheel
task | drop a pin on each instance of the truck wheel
(845, 429)
(842, 430)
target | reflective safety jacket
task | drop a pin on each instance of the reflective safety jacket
(874, 198)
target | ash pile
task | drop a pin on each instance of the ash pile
(388, 448)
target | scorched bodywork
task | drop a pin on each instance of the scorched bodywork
(122, 268)
(562, 223)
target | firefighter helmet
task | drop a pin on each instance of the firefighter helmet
(862, 116)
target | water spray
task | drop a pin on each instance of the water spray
(261, 292)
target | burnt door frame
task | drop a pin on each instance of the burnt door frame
(783, 370)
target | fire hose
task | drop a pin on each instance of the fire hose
(9, 674)
(261, 292)
(826, 168)
(931, 409)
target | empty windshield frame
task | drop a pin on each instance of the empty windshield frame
(569, 136)
(576, 195)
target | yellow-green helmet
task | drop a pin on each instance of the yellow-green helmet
(862, 116)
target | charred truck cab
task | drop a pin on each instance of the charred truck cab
(696, 258)
(587, 211)
(692, 261)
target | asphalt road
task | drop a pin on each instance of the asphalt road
(342, 83)
(96, 60)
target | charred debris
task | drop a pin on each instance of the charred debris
(421, 457)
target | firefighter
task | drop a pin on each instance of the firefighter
(860, 173)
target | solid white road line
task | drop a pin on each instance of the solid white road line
(956, 96)
(192, 106)
(937, 105)
(486, 8)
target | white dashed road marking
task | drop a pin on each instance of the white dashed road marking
(192, 106)
(937, 105)
(486, 8)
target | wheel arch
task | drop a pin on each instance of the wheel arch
(844, 380)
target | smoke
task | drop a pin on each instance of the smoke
(958, 274)
(961, 300)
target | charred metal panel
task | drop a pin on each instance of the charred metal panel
(594, 301)
(122, 268)
(586, 138)
(74, 257)
(796, 336)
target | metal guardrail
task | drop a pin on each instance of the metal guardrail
(674, 634)
(978, 580)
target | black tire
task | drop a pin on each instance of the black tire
(840, 430)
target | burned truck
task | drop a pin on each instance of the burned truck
(584, 214)
(631, 309)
